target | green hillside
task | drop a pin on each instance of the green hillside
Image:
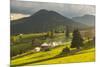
(22, 50)
(52, 57)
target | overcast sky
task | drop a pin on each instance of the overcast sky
(68, 10)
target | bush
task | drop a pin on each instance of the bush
(48, 49)
(36, 42)
(65, 51)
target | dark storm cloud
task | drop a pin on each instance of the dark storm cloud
(68, 10)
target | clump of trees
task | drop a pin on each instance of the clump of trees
(36, 42)
(77, 41)
(65, 51)
(67, 31)
(94, 40)
(50, 34)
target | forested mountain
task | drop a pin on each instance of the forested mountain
(43, 21)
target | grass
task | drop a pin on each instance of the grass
(52, 56)
(37, 56)
(25, 43)
(88, 56)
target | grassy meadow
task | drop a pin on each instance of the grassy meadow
(22, 50)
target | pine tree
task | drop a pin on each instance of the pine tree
(67, 32)
(77, 40)
(51, 33)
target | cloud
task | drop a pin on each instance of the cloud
(68, 10)
(15, 16)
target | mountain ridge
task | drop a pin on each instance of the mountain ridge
(85, 19)
(42, 21)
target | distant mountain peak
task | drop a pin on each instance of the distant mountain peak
(45, 12)
(85, 19)
(88, 15)
(84, 16)
(42, 10)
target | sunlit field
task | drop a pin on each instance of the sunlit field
(53, 56)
